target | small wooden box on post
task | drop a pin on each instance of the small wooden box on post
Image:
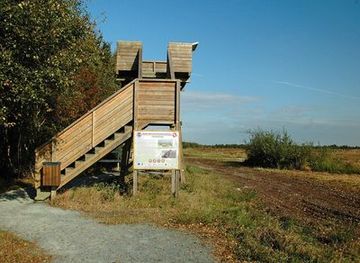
(51, 175)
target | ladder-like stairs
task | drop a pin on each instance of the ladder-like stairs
(87, 140)
(95, 154)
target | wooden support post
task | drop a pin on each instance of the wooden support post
(177, 178)
(175, 183)
(135, 127)
(125, 160)
(181, 159)
(135, 182)
(53, 192)
(125, 157)
(178, 128)
(171, 72)
(140, 63)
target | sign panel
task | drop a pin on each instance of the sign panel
(156, 150)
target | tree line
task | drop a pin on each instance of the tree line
(54, 67)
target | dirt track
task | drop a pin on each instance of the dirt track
(292, 194)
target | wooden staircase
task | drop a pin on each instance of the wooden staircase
(88, 139)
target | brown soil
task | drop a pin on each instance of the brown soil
(306, 196)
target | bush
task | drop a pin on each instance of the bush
(276, 150)
(272, 149)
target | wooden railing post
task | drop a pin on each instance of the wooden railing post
(53, 150)
(135, 106)
(93, 129)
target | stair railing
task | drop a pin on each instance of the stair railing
(87, 131)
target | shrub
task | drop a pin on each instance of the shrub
(272, 149)
(276, 150)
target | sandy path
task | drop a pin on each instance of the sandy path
(71, 237)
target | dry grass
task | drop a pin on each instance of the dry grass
(216, 153)
(16, 250)
(350, 156)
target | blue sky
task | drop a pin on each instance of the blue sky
(259, 64)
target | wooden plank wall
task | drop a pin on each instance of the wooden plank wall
(127, 55)
(155, 102)
(154, 66)
(181, 57)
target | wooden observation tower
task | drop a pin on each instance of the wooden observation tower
(149, 94)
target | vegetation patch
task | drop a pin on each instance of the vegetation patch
(14, 249)
(271, 149)
(54, 67)
(229, 215)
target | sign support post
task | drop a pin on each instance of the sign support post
(135, 181)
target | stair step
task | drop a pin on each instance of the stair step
(122, 131)
(118, 134)
(98, 148)
(68, 170)
(42, 196)
(89, 156)
(78, 162)
(107, 142)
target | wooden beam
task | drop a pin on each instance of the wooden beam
(181, 158)
(177, 105)
(135, 182)
(140, 63)
(178, 128)
(175, 183)
(93, 129)
(170, 65)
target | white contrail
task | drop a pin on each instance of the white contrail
(316, 89)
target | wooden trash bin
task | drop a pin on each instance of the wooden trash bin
(51, 174)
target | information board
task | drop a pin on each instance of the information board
(156, 150)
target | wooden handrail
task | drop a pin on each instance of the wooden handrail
(84, 116)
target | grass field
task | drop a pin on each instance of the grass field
(248, 214)
(16, 250)
(351, 156)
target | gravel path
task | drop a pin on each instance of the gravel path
(71, 237)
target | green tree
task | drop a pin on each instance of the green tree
(52, 62)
